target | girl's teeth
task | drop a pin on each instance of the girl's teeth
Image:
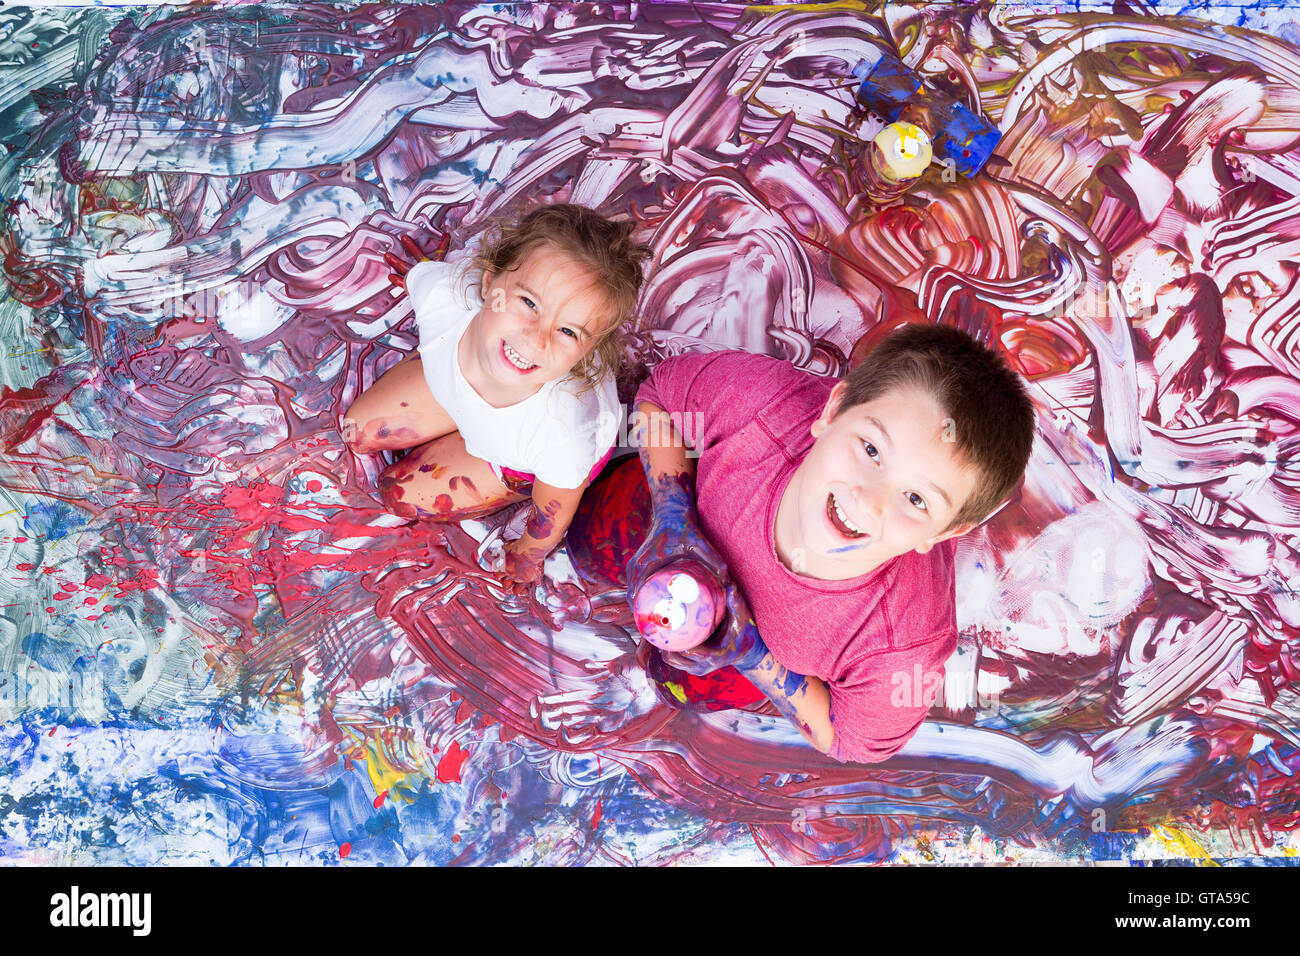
(516, 359)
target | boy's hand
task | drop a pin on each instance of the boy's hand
(674, 533)
(736, 642)
(401, 267)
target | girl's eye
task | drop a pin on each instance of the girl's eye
(570, 333)
(529, 302)
(917, 500)
(871, 450)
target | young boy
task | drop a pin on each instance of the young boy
(830, 511)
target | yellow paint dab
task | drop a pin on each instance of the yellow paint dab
(676, 690)
(1178, 842)
(383, 775)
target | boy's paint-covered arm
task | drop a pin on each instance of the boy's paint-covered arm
(808, 702)
(805, 700)
(670, 475)
(663, 452)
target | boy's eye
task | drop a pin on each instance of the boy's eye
(917, 500)
(528, 302)
(569, 332)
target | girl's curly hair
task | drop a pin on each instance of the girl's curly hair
(605, 247)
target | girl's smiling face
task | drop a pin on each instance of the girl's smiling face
(538, 321)
(882, 479)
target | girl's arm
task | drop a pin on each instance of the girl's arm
(553, 509)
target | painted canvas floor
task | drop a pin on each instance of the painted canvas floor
(213, 648)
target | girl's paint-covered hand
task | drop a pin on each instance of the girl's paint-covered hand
(401, 266)
(549, 515)
(736, 643)
(523, 564)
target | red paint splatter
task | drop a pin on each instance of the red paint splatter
(25, 566)
(344, 850)
(20, 539)
(314, 485)
(595, 817)
(450, 764)
(379, 800)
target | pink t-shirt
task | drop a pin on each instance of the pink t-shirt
(878, 641)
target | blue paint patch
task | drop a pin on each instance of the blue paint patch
(55, 654)
(52, 520)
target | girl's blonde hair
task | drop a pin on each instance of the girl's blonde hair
(603, 246)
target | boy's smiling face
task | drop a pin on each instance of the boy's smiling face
(882, 479)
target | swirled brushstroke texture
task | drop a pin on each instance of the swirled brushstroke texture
(208, 616)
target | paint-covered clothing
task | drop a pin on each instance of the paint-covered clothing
(878, 641)
(561, 434)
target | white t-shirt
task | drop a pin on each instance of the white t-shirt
(556, 434)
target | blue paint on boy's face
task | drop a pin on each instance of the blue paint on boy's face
(882, 479)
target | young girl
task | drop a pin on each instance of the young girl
(512, 393)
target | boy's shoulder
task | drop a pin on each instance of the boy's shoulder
(732, 390)
(735, 374)
(735, 360)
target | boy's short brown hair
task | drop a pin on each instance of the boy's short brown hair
(992, 415)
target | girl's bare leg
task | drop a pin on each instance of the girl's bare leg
(398, 411)
(441, 481)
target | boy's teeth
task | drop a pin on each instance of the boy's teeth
(840, 514)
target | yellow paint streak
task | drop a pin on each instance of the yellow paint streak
(1179, 843)
(383, 775)
(676, 690)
